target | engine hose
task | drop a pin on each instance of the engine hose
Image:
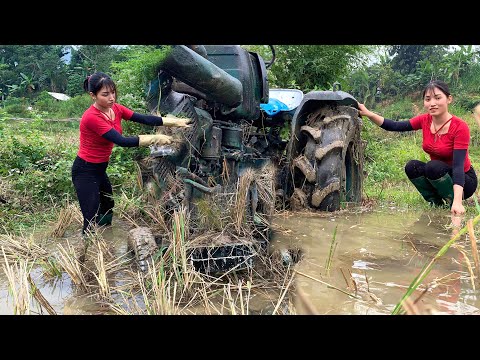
(205, 189)
(184, 172)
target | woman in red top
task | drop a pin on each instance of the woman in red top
(448, 177)
(100, 129)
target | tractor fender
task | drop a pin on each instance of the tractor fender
(316, 99)
(310, 104)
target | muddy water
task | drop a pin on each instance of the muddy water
(60, 292)
(374, 257)
(350, 264)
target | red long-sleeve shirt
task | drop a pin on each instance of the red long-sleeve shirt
(93, 124)
(457, 137)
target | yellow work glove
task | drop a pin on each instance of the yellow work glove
(170, 121)
(157, 139)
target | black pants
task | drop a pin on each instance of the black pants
(94, 190)
(435, 169)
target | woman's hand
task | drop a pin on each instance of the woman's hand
(362, 110)
(457, 209)
(154, 139)
(170, 120)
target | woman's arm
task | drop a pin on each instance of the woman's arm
(151, 120)
(120, 140)
(375, 118)
(384, 123)
(458, 177)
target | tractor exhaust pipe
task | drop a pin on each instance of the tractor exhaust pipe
(201, 74)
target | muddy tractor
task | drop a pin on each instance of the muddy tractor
(236, 155)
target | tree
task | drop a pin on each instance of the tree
(313, 67)
(41, 66)
(87, 59)
(406, 57)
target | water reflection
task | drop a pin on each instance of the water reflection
(376, 257)
(350, 263)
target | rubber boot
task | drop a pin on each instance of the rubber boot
(427, 190)
(104, 219)
(444, 187)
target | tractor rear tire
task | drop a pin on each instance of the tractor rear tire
(327, 169)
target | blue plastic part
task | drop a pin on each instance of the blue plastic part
(273, 107)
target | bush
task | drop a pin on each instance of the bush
(17, 107)
(48, 106)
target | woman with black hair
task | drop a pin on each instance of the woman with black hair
(100, 129)
(448, 177)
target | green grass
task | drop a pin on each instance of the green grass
(387, 153)
(36, 158)
(35, 171)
